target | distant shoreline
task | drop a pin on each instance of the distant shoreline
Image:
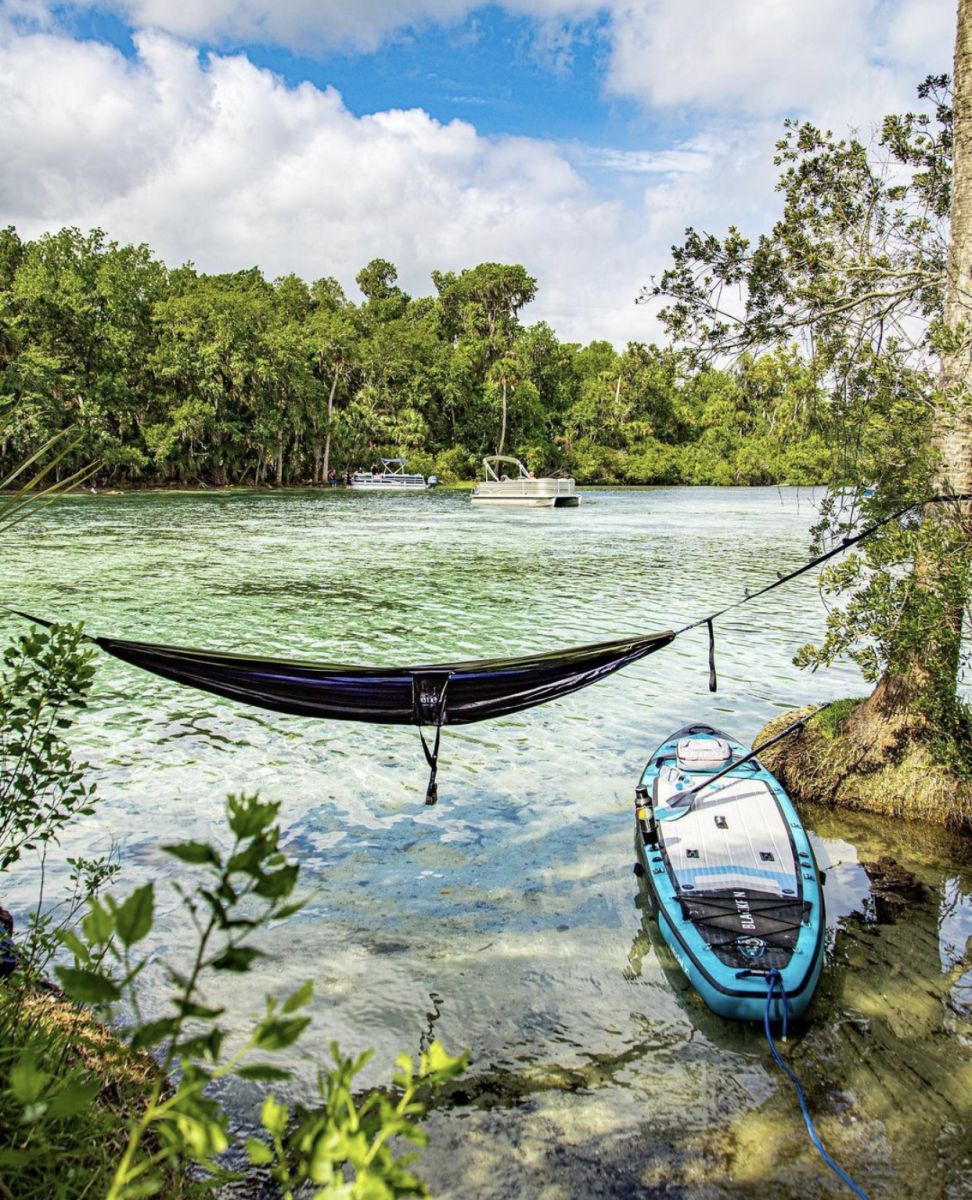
(203, 489)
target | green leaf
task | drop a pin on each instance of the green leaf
(263, 1072)
(152, 1033)
(27, 1080)
(150, 1184)
(278, 884)
(288, 910)
(89, 987)
(72, 1098)
(19, 1158)
(189, 1008)
(273, 1116)
(134, 919)
(98, 924)
(69, 938)
(259, 1154)
(237, 958)
(202, 1136)
(248, 817)
(196, 853)
(437, 1065)
(199, 1046)
(298, 999)
(274, 1034)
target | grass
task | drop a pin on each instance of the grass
(71, 1156)
(830, 721)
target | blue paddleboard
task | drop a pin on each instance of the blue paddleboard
(731, 875)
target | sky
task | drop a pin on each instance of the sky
(310, 136)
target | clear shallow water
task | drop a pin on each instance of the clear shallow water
(506, 918)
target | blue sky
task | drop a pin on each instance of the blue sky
(486, 68)
(308, 135)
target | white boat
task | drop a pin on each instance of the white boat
(391, 478)
(522, 490)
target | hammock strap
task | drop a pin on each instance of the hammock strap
(844, 544)
(429, 703)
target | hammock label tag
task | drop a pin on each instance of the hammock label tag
(429, 697)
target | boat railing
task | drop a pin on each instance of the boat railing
(528, 487)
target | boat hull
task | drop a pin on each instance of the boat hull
(733, 883)
(528, 501)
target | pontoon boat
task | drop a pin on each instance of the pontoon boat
(522, 490)
(391, 478)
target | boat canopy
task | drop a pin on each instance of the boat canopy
(493, 460)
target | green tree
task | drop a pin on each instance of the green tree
(859, 271)
(78, 321)
(480, 307)
(330, 338)
(378, 280)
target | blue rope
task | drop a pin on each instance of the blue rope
(774, 977)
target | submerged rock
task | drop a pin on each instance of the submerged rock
(894, 890)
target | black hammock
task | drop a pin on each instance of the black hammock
(436, 695)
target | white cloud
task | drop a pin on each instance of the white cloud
(214, 160)
(753, 56)
(220, 162)
(851, 57)
(684, 157)
(304, 25)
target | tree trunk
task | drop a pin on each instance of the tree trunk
(327, 435)
(922, 696)
(953, 422)
(280, 456)
(502, 436)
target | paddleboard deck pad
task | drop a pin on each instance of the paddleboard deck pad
(732, 880)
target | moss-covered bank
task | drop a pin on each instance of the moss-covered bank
(833, 760)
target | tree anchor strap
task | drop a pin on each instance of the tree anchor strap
(429, 708)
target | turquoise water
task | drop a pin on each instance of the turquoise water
(506, 919)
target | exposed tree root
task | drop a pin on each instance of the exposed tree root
(851, 757)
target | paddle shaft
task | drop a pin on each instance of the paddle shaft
(694, 791)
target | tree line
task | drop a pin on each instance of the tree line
(174, 376)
